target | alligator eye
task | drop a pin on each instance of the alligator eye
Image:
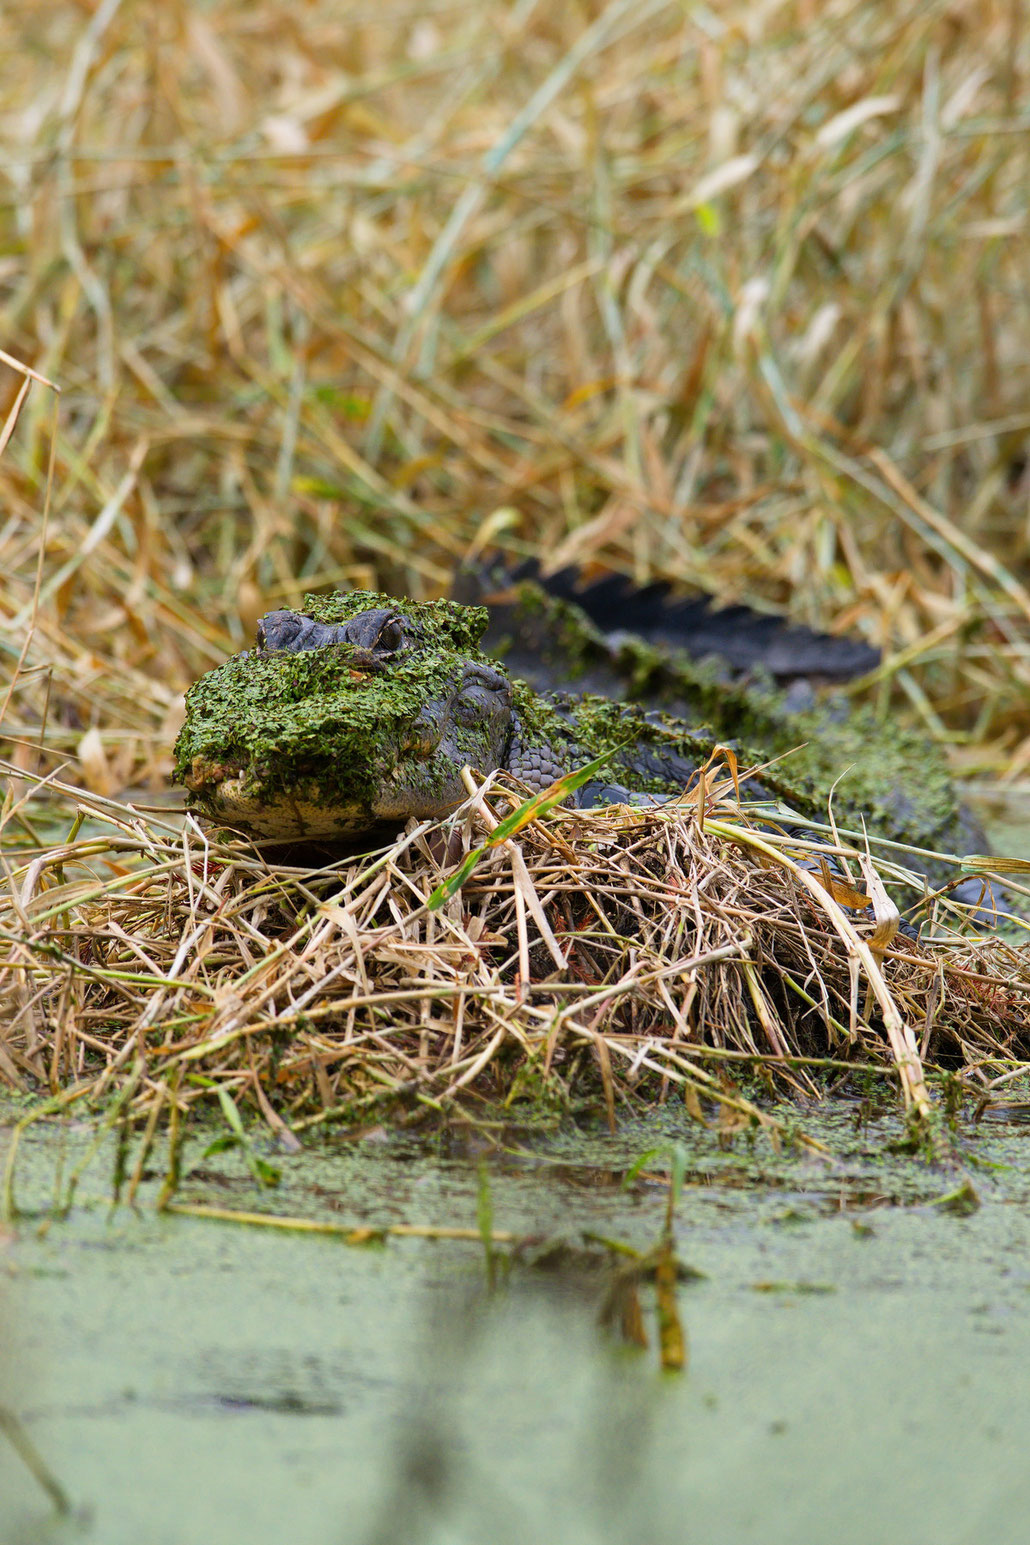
(391, 634)
(378, 630)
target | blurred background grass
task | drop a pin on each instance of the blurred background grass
(737, 295)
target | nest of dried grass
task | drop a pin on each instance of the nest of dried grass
(619, 956)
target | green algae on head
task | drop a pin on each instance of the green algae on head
(329, 741)
(432, 624)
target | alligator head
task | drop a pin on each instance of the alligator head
(331, 727)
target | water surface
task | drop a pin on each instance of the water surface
(857, 1353)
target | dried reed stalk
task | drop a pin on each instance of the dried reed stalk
(603, 955)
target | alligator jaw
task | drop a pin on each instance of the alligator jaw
(231, 796)
(285, 817)
(228, 796)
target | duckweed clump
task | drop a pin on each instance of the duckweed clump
(440, 624)
(309, 720)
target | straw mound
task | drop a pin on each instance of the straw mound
(617, 953)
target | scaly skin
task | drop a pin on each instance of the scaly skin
(375, 723)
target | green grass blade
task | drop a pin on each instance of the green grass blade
(555, 794)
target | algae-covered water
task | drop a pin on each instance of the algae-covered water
(857, 1371)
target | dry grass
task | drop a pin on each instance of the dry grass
(613, 956)
(334, 293)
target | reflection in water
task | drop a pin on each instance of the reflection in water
(521, 1424)
(192, 1383)
(17, 1448)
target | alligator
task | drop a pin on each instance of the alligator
(527, 604)
(360, 710)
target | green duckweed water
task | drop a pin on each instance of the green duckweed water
(857, 1351)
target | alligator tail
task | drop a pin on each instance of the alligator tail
(746, 640)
